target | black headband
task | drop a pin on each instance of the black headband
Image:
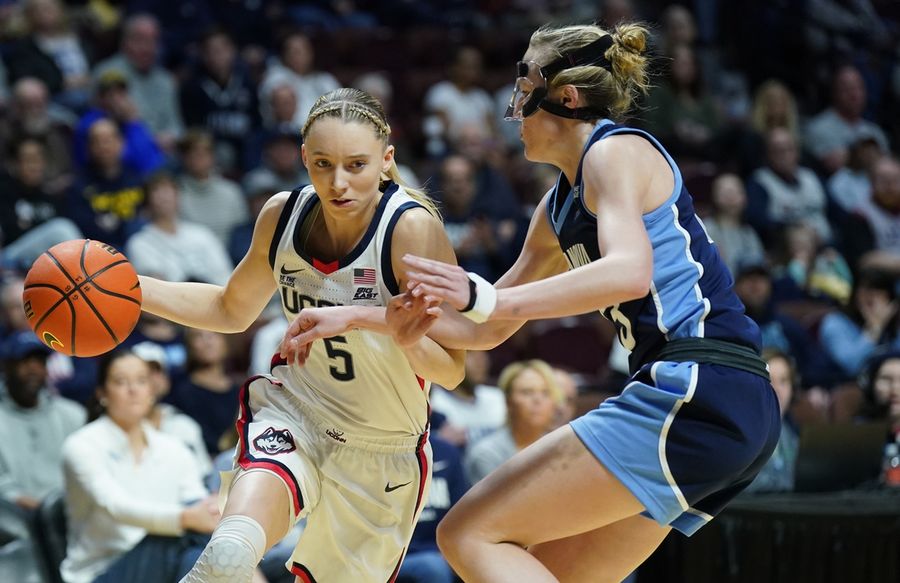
(590, 54)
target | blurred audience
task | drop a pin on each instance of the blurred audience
(869, 322)
(207, 197)
(474, 408)
(737, 242)
(831, 132)
(207, 392)
(221, 98)
(137, 508)
(532, 401)
(173, 249)
(152, 87)
(295, 65)
(783, 192)
(33, 424)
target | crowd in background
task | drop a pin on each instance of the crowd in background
(162, 128)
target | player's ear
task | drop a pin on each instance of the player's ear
(569, 96)
(303, 155)
(388, 159)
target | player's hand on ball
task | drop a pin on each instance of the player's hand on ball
(440, 281)
(310, 325)
(410, 317)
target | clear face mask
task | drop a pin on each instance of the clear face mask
(530, 91)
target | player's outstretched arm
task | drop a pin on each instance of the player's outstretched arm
(618, 194)
(229, 308)
(540, 258)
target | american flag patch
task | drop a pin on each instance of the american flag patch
(364, 276)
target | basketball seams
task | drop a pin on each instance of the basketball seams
(89, 303)
(48, 311)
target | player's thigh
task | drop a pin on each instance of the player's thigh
(553, 489)
(607, 554)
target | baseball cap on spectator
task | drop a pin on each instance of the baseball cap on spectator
(152, 353)
(112, 79)
(752, 268)
(23, 344)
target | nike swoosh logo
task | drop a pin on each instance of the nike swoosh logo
(290, 271)
(389, 488)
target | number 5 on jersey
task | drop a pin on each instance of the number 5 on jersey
(342, 370)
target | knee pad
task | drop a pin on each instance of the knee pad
(234, 550)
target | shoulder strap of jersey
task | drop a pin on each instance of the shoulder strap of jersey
(282, 224)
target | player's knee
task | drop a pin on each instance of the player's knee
(450, 536)
(232, 553)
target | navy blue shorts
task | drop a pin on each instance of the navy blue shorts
(685, 438)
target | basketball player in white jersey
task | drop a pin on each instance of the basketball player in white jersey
(341, 435)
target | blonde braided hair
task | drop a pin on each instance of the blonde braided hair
(349, 104)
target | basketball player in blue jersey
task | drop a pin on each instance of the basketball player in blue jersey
(618, 233)
(343, 439)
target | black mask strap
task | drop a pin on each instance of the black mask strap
(585, 113)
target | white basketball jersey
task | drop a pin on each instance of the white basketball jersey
(359, 381)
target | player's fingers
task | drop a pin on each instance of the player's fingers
(423, 263)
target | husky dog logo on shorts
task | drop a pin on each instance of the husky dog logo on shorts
(274, 441)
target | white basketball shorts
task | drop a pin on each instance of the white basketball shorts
(361, 496)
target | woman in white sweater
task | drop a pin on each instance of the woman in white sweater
(135, 499)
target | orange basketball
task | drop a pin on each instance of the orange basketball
(82, 297)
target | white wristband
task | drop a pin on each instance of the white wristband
(483, 299)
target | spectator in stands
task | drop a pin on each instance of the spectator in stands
(282, 107)
(105, 200)
(152, 87)
(207, 197)
(281, 167)
(295, 65)
(872, 238)
(753, 285)
(457, 101)
(51, 35)
(114, 102)
(532, 398)
(681, 112)
(850, 187)
(31, 115)
(207, 393)
(33, 424)
(830, 133)
(166, 418)
(172, 249)
(134, 496)
(474, 408)
(163, 333)
(480, 242)
(12, 316)
(424, 562)
(241, 235)
(568, 388)
(29, 215)
(881, 384)
(869, 323)
(774, 106)
(220, 97)
(737, 242)
(784, 192)
(778, 473)
(809, 270)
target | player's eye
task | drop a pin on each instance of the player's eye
(322, 163)
(358, 165)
